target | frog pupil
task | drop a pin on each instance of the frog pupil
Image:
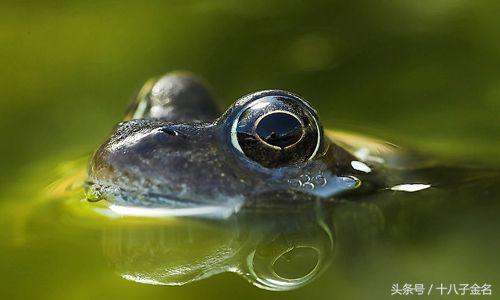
(279, 129)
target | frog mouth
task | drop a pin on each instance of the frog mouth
(130, 202)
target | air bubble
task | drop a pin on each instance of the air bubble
(320, 180)
(295, 183)
(308, 186)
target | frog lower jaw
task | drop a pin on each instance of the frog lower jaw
(135, 203)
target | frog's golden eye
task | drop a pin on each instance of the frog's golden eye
(276, 129)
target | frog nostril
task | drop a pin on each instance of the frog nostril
(169, 131)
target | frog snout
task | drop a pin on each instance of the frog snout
(169, 159)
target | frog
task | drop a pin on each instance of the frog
(261, 190)
(176, 153)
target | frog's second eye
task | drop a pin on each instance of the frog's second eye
(276, 129)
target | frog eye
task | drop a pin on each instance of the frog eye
(276, 129)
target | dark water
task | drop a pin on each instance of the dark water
(421, 74)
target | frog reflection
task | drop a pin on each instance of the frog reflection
(275, 250)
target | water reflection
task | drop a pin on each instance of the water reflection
(272, 250)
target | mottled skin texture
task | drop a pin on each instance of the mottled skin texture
(175, 148)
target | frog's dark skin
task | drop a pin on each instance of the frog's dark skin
(178, 148)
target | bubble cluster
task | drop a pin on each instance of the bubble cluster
(308, 181)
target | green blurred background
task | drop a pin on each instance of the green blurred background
(424, 72)
(421, 73)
